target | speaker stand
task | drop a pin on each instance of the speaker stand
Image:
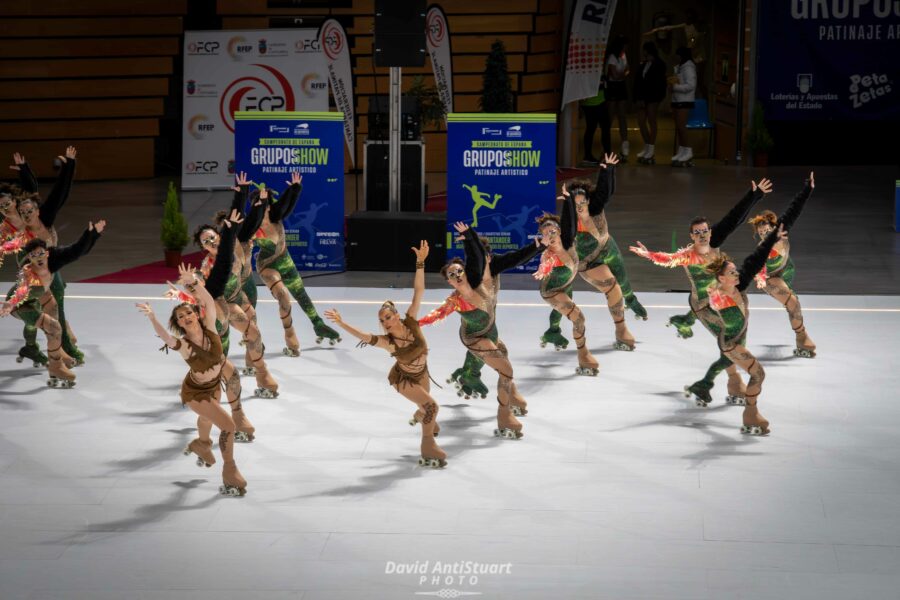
(394, 141)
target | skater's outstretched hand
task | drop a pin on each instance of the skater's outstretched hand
(422, 251)
(334, 316)
(99, 226)
(234, 218)
(764, 185)
(240, 181)
(186, 275)
(145, 308)
(70, 153)
(610, 159)
(460, 227)
(640, 250)
(296, 178)
(5, 309)
(812, 180)
(18, 161)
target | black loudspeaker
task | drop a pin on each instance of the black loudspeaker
(376, 173)
(379, 119)
(399, 33)
(381, 241)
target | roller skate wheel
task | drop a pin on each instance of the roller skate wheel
(36, 365)
(483, 396)
(202, 463)
(450, 379)
(432, 463)
(291, 352)
(187, 450)
(803, 353)
(623, 347)
(687, 391)
(508, 434)
(457, 384)
(412, 422)
(264, 393)
(588, 371)
(243, 437)
(558, 348)
(230, 490)
(543, 344)
(333, 341)
(20, 359)
(752, 430)
(517, 411)
(459, 393)
(736, 400)
(467, 397)
(700, 403)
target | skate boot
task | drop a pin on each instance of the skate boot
(203, 450)
(636, 307)
(683, 325)
(626, 148)
(292, 344)
(684, 157)
(624, 339)
(417, 418)
(554, 336)
(647, 158)
(324, 332)
(518, 406)
(468, 383)
(432, 455)
(267, 386)
(60, 375)
(249, 370)
(508, 427)
(754, 423)
(244, 432)
(587, 364)
(737, 391)
(32, 353)
(805, 346)
(233, 484)
(700, 391)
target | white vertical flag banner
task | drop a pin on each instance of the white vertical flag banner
(437, 34)
(229, 71)
(588, 34)
(335, 47)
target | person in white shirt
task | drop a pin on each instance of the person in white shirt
(683, 85)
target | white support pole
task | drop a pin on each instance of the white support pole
(394, 141)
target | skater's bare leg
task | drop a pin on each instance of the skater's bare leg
(428, 409)
(587, 364)
(267, 386)
(234, 483)
(743, 358)
(283, 297)
(56, 366)
(603, 280)
(779, 289)
(244, 430)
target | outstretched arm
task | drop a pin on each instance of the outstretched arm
(738, 213)
(170, 340)
(605, 187)
(663, 259)
(253, 221)
(419, 281)
(288, 200)
(792, 212)
(27, 180)
(194, 285)
(475, 256)
(60, 256)
(61, 188)
(371, 339)
(509, 260)
(757, 260)
(241, 189)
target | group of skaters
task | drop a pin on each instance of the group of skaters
(220, 294)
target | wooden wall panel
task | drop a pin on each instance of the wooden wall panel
(97, 159)
(88, 88)
(83, 47)
(81, 67)
(78, 130)
(99, 27)
(67, 8)
(80, 109)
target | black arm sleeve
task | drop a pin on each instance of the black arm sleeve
(736, 216)
(789, 217)
(59, 194)
(755, 262)
(27, 180)
(512, 259)
(251, 223)
(60, 256)
(568, 223)
(475, 257)
(602, 191)
(240, 200)
(221, 269)
(285, 204)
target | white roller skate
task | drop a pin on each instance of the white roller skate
(646, 156)
(736, 400)
(684, 157)
(243, 437)
(804, 353)
(753, 430)
(262, 392)
(60, 382)
(701, 397)
(626, 148)
(203, 450)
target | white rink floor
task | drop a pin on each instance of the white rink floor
(620, 489)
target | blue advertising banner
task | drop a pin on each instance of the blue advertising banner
(268, 146)
(501, 176)
(834, 59)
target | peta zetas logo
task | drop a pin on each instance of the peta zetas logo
(865, 88)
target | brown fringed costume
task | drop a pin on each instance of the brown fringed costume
(202, 360)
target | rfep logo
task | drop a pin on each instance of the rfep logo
(199, 126)
(333, 35)
(210, 47)
(201, 167)
(312, 86)
(307, 45)
(267, 90)
(436, 28)
(238, 47)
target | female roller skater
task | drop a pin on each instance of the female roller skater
(32, 299)
(599, 260)
(275, 266)
(704, 247)
(777, 277)
(39, 218)
(559, 265)
(231, 302)
(404, 340)
(478, 256)
(200, 346)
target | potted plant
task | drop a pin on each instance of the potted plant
(174, 234)
(759, 140)
(496, 91)
(431, 108)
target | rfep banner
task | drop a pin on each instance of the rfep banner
(829, 60)
(229, 71)
(588, 34)
(333, 40)
(269, 146)
(437, 35)
(501, 176)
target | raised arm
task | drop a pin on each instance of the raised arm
(195, 286)
(60, 256)
(241, 189)
(170, 340)
(605, 186)
(419, 280)
(288, 200)
(568, 223)
(757, 260)
(679, 258)
(27, 180)
(792, 212)
(476, 259)
(221, 269)
(61, 188)
(254, 219)
(738, 213)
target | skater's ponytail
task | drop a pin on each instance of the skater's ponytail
(765, 217)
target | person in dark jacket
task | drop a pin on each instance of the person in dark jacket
(649, 91)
